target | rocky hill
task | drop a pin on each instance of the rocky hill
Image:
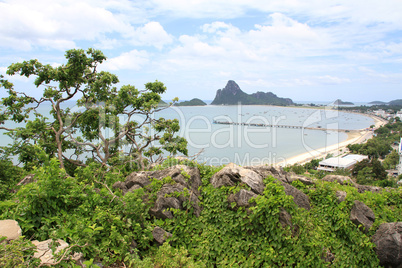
(231, 94)
(193, 102)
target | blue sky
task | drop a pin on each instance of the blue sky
(301, 49)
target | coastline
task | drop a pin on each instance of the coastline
(354, 137)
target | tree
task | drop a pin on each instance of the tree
(94, 125)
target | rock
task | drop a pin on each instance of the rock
(144, 178)
(186, 180)
(300, 198)
(388, 241)
(285, 219)
(45, 254)
(265, 171)
(341, 196)
(241, 198)
(362, 215)
(291, 177)
(172, 196)
(365, 188)
(342, 180)
(233, 173)
(10, 229)
(160, 235)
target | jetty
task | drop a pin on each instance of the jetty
(281, 126)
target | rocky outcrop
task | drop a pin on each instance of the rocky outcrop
(10, 229)
(186, 181)
(241, 198)
(265, 171)
(160, 235)
(388, 241)
(361, 215)
(341, 196)
(291, 177)
(342, 180)
(300, 198)
(232, 173)
(368, 188)
(45, 254)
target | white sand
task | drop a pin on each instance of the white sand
(354, 137)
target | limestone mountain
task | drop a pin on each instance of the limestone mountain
(231, 94)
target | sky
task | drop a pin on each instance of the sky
(306, 50)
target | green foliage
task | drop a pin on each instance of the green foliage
(17, 253)
(10, 175)
(92, 130)
(369, 171)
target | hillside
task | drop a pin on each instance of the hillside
(193, 102)
(231, 94)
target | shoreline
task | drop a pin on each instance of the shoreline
(354, 137)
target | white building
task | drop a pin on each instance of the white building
(345, 162)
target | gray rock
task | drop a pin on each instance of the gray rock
(160, 235)
(10, 229)
(388, 241)
(300, 198)
(172, 196)
(186, 179)
(365, 188)
(265, 171)
(233, 173)
(342, 180)
(341, 196)
(362, 215)
(241, 198)
(291, 177)
(45, 254)
(285, 219)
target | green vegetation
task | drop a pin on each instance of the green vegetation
(74, 200)
(193, 102)
(93, 129)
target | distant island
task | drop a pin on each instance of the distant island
(397, 102)
(231, 94)
(341, 102)
(193, 102)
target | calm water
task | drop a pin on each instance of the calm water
(246, 145)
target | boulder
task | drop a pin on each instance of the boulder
(300, 198)
(241, 198)
(342, 180)
(173, 196)
(186, 180)
(291, 177)
(160, 235)
(365, 188)
(341, 196)
(388, 241)
(45, 254)
(233, 173)
(265, 171)
(10, 229)
(362, 215)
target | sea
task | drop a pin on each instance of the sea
(220, 144)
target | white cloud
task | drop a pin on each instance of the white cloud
(133, 60)
(151, 34)
(55, 24)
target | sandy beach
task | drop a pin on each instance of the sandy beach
(354, 137)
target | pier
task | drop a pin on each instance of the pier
(280, 126)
